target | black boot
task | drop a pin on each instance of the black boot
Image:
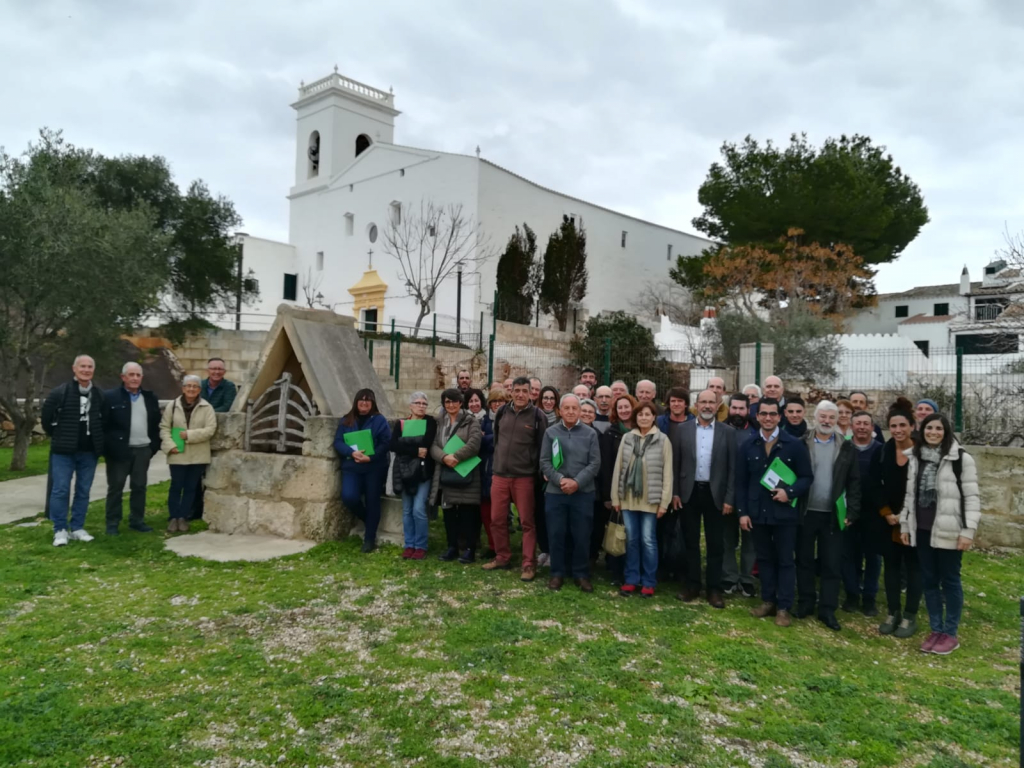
(467, 557)
(852, 604)
(450, 554)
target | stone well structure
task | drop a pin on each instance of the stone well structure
(274, 469)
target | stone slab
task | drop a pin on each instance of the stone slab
(227, 548)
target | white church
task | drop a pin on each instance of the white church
(351, 179)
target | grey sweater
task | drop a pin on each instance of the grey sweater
(581, 456)
(822, 455)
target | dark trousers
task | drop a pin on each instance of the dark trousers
(199, 505)
(570, 518)
(774, 545)
(361, 493)
(462, 526)
(701, 505)
(539, 519)
(943, 591)
(135, 469)
(601, 513)
(862, 564)
(744, 542)
(819, 539)
(184, 483)
(897, 558)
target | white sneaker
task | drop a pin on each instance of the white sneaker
(81, 535)
(543, 560)
(60, 539)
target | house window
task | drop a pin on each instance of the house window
(319, 261)
(291, 286)
(902, 310)
(362, 144)
(371, 233)
(668, 252)
(923, 346)
(431, 230)
(401, 171)
(575, 220)
(941, 309)
(623, 238)
(350, 223)
(989, 309)
(396, 213)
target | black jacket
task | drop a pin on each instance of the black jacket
(60, 417)
(117, 423)
(409, 469)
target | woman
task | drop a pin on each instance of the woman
(844, 421)
(364, 469)
(588, 415)
(548, 404)
(413, 473)
(642, 491)
(939, 518)
(458, 494)
(475, 405)
(185, 431)
(549, 398)
(620, 422)
(891, 472)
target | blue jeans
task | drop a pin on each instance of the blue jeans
(81, 466)
(572, 515)
(940, 574)
(361, 493)
(185, 480)
(414, 516)
(641, 548)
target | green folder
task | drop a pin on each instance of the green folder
(414, 428)
(841, 512)
(361, 441)
(463, 467)
(177, 438)
(556, 454)
(778, 474)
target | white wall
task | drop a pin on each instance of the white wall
(936, 334)
(269, 260)
(882, 319)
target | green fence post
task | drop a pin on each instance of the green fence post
(959, 409)
(490, 362)
(391, 351)
(494, 317)
(398, 358)
(757, 364)
(608, 361)
(369, 348)
(433, 338)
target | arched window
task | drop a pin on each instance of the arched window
(362, 143)
(313, 152)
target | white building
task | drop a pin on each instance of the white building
(351, 176)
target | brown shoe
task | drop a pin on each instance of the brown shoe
(715, 599)
(497, 565)
(183, 525)
(555, 583)
(688, 595)
(584, 585)
(783, 619)
(172, 526)
(529, 573)
(763, 610)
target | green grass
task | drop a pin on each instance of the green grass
(118, 652)
(38, 460)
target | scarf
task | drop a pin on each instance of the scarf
(479, 415)
(551, 416)
(928, 495)
(188, 410)
(635, 473)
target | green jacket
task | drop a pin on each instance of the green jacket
(220, 398)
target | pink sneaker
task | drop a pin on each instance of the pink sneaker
(407, 553)
(418, 554)
(945, 645)
(929, 642)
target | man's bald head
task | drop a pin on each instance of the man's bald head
(773, 387)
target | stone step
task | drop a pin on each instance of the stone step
(390, 529)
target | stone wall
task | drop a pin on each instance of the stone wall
(1001, 481)
(240, 349)
(514, 333)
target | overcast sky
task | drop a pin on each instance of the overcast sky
(621, 102)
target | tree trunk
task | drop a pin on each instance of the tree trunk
(424, 308)
(22, 437)
(562, 316)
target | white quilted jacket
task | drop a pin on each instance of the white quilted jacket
(948, 522)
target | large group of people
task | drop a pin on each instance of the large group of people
(809, 507)
(808, 501)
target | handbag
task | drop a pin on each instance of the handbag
(452, 479)
(615, 536)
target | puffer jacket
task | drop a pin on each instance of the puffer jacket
(948, 525)
(199, 430)
(468, 429)
(657, 484)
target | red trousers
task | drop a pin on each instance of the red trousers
(504, 491)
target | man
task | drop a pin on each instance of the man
(794, 422)
(218, 391)
(518, 430)
(536, 385)
(836, 478)
(717, 385)
(619, 389)
(603, 400)
(464, 381)
(859, 401)
(773, 388)
(131, 437)
(570, 460)
(768, 512)
(862, 560)
(738, 580)
(704, 455)
(588, 376)
(582, 392)
(924, 408)
(646, 392)
(72, 416)
(678, 411)
(753, 393)
(507, 386)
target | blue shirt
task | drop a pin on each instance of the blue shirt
(705, 442)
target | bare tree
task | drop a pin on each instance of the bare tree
(1013, 249)
(663, 298)
(430, 245)
(311, 289)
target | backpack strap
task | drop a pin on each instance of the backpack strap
(958, 469)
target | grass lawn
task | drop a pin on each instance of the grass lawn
(38, 459)
(118, 653)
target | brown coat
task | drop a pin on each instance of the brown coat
(468, 430)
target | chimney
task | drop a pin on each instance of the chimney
(965, 282)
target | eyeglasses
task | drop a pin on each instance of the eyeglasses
(768, 415)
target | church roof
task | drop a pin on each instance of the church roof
(368, 283)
